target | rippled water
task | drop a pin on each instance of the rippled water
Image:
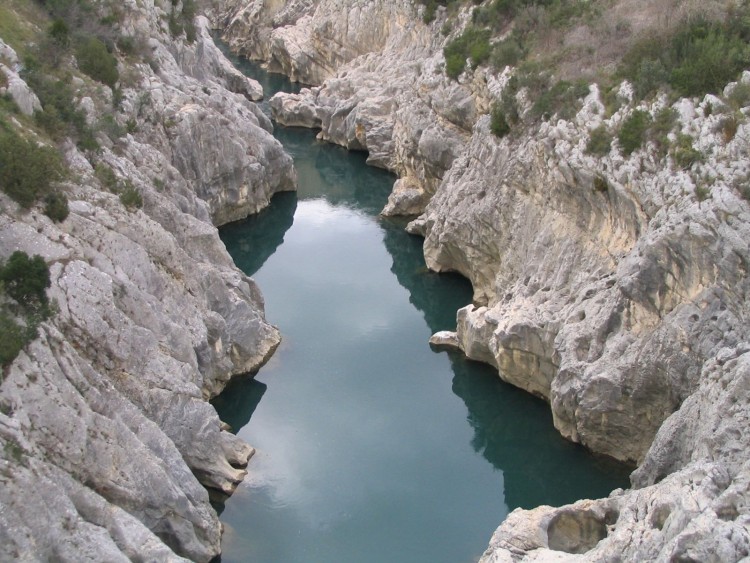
(371, 446)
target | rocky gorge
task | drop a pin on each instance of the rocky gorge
(109, 446)
(613, 285)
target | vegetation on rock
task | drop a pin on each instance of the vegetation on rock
(23, 302)
(27, 169)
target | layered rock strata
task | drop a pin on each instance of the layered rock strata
(614, 287)
(108, 443)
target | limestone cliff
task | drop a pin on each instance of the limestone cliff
(108, 443)
(612, 285)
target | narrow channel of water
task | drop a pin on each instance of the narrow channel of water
(371, 447)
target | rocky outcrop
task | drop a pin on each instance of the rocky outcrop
(614, 287)
(388, 96)
(108, 443)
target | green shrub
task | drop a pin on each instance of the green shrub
(188, 20)
(130, 197)
(96, 61)
(27, 170)
(561, 99)
(498, 122)
(106, 176)
(739, 97)
(126, 44)
(175, 25)
(684, 153)
(702, 193)
(632, 134)
(26, 279)
(708, 58)
(507, 53)
(600, 141)
(664, 122)
(649, 77)
(59, 117)
(472, 44)
(56, 206)
(454, 65)
(109, 126)
(699, 58)
(13, 340)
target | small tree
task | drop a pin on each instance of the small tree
(56, 206)
(26, 279)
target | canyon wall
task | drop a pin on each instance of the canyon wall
(108, 442)
(613, 286)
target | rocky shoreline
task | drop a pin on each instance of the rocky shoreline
(613, 286)
(108, 442)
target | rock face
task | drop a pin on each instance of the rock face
(383, 90)
(614, 287)
(108, 443)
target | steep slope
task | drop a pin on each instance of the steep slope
(108, 441)
(612, 282)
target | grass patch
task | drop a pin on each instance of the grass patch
(16, 28)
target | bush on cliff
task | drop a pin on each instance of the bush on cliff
(472, 44)
(632, 134)
(25, 280)
(700, 57)
(96, 61)
(600, 141)
(27, 170)
(498, 123)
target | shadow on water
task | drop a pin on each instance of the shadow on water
(514, 432)
(437, 296)
(254, 239)
(335, 174)
(237, 403)
(270, 81)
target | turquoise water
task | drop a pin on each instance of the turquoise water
(371, 447)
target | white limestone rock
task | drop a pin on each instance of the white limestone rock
(108, 443)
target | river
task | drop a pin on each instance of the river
(372, 447)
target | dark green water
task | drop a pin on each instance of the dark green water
(370, 446)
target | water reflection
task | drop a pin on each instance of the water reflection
(259, 235)
(371, 447)
(271, 82)
(437, 296)
(239, 400)
(513, 431)
(335, 174)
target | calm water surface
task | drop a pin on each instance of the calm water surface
(370, 446)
